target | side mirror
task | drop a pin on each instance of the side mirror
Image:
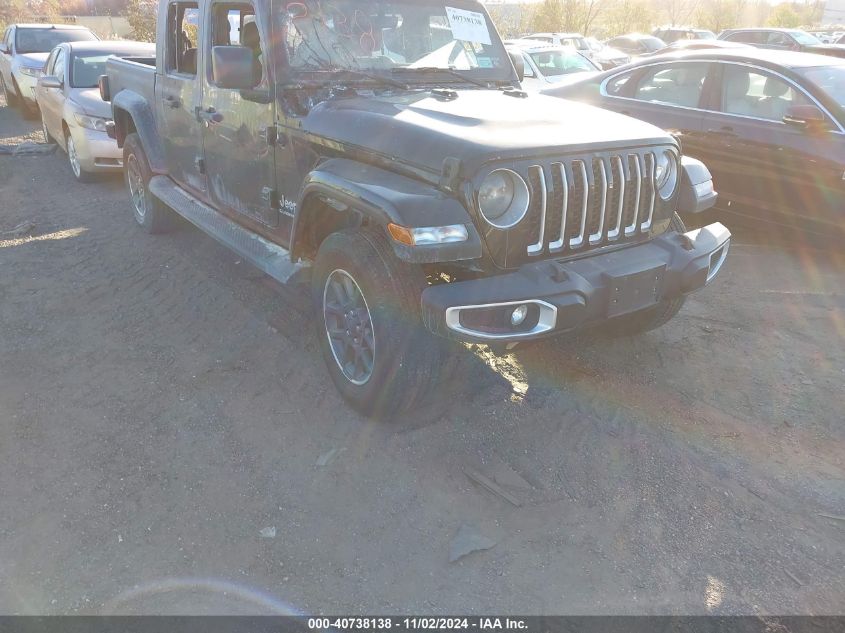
(805, 116)
(518, 64)
(4, 50)
(232, 67)
(50, 81)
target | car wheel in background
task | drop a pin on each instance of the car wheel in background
(11, 96)
(27, 110)
(149, 212)
(73, 158)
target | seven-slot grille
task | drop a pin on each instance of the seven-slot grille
(581, 203)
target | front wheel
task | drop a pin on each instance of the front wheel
(73, 158)
(367, 301)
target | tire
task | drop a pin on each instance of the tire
(404, 359)
(11, 95)
(149, 212)
(650, 318)
(73, 160)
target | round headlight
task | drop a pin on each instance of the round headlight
(666, 173)
(503, 198)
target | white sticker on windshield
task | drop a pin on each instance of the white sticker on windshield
(468, 26)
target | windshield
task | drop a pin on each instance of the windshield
(652, 43)
(86, 70)
(805, 39)
(45, 40)
(705, 35)
(556, 63)
(373, 35)
(829, 79)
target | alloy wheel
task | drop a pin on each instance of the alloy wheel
(137, 190)
(349, 327)
(73, 157)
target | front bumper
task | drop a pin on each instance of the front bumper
(97, 152)
(565, 295)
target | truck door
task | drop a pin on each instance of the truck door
(238, 124)
(178, 94)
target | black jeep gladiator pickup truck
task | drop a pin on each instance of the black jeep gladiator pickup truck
(385, 146)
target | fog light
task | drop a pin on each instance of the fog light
(518, 315)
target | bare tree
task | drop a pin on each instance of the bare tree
(680, 12)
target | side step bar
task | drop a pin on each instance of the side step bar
(263, 254)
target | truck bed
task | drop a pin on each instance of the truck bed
(136, 74)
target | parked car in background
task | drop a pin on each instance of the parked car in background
(547, 64)
(72, 113)
(783, 39)
(671, 34)
(636, 44)
(824, 37)
(770, 125)
(574, 40)
(697, 45)
(606, 56)
(23, 51)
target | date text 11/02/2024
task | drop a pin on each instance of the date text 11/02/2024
(417, 623)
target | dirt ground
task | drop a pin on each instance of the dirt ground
(170, 441)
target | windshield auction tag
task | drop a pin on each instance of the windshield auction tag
(468, 26)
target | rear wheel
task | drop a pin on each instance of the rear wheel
(367, 301)
(149, 212)
(650, 318)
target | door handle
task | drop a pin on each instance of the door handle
(208, 115)
(171, 101)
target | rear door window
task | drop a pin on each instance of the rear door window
(776, 39)
(676, 84)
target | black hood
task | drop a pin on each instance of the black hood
(478, 126)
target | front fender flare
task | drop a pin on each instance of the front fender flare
(128, 103)
(383, 197)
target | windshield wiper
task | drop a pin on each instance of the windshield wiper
(354, 73)
(448, 71)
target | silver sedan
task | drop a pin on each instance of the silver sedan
(72, 113)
